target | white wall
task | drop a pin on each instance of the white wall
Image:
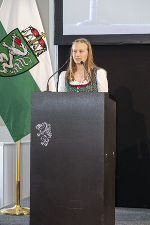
(8, 172)
(8, 150)
(46, 10)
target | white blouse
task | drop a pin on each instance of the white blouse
(101, 78)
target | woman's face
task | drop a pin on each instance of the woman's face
(79, 52)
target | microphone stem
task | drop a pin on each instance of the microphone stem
(55, 73)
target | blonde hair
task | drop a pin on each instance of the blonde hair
(72, 68)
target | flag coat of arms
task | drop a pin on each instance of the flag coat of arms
(25, 64)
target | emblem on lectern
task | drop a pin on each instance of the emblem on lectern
(44, 132)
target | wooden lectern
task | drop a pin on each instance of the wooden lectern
(73, 141)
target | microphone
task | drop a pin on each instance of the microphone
(55, 73)
(89, 76)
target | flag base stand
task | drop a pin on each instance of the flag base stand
(17, 209)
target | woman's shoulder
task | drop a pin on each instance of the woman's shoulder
(63, 73)
(61, 83)
(101, 72)
(102, 80)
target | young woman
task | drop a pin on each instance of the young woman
(82, 74)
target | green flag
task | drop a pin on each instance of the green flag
(24, 63)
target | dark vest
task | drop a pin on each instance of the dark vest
(89, 87)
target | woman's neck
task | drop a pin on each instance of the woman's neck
(80, 68)
(80, 74)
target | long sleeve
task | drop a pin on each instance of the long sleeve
(102, 82)
(61, 82)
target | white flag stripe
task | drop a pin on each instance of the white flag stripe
(22, 14)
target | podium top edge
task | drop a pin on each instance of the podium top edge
(45, 93)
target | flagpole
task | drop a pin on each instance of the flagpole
(17, 209)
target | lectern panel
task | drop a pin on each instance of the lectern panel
(68, 159)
